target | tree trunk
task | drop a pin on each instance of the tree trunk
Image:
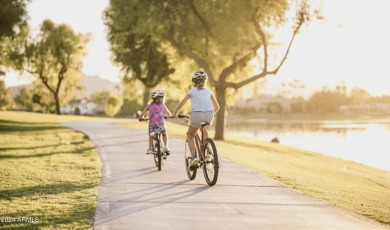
(220, 123)
(57, 101)
(146, 97)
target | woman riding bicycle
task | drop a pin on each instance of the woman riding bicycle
(156, 110)
(203, 108)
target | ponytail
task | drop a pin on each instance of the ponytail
(199, 83)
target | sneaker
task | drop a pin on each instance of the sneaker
(149, 151)
(166, 151)
(194, 163)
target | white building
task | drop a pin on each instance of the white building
(82, 108)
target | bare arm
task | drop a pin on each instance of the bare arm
(180, 105)
(144, 112)
(215, 103)
(167, 112)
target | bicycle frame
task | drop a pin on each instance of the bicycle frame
(156, 139)
(157, 147)
(206, 151)
(199, 144)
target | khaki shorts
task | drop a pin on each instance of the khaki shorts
(199, 117)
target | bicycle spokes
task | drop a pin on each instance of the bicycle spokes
(210, 164)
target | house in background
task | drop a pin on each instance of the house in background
(82, 108)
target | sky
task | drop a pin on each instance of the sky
(351, 44)
(84, 16)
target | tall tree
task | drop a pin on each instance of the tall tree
(221, 36)
(139, 55)
(53, 56)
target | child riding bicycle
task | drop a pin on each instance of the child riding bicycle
(203, 108)
(157, 110)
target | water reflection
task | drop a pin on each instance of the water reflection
(363, 142)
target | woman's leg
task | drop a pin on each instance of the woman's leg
(209, 117)
(205, 133)
(191, 139)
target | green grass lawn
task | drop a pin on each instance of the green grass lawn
(49, 174)
(355, 187)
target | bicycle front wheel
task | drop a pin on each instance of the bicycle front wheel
(159, 153)
(187, 159)
(211, 163)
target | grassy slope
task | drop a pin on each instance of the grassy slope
(358, 188)
(47, 172)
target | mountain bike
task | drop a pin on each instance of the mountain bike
(207, 154)
(157, 147)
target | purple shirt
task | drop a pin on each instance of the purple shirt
(156, 114)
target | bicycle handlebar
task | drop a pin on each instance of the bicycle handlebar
(183, 116)
(147, 119)
(165, 117)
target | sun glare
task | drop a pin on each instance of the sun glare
(84, 17)
(350, 45)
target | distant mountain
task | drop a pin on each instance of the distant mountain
(91, 84)
(16, 89)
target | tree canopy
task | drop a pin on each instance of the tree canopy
(52, 56)
(13, 18)
(13, 15)
(138, 54)
(220, 36)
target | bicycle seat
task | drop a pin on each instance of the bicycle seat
(203, 124)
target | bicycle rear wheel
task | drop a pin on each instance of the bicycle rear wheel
(211, 163)
(187, 159)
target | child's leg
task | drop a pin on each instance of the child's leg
(191, 139)
(165, 139)
(205, 133)
(150, 151)
(150, 141)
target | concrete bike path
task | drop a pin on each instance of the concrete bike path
(134, 195)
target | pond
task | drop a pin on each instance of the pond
(363, 141)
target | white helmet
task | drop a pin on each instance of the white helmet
(157, 93)
(198, 74)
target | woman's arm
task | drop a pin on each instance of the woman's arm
(215, 103)
(166, 111)
(180, 105)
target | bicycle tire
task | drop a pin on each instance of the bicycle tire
(159, 153)
(155, 158)
(210, 163)
(187, 159)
